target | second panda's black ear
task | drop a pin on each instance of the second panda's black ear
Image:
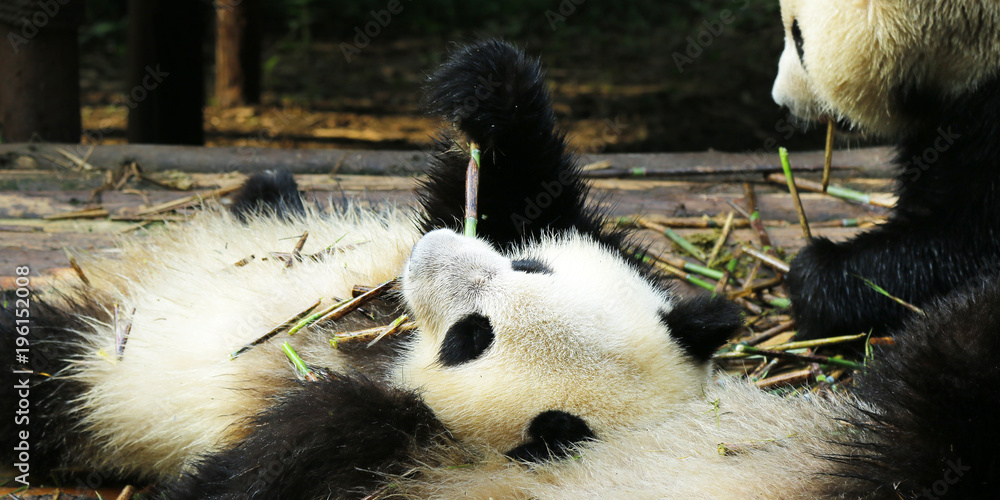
(703, 323)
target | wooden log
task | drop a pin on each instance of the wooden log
(870, 162)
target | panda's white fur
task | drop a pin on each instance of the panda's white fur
(732, 442)
(174, 394)
(857, 53)
(559, 340)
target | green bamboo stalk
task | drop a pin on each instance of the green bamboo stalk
(685, 244)
(786, 166)
(300, 366)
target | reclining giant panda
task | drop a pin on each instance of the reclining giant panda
(925, 74)
(546, 362)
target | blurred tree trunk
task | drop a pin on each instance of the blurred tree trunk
(39, 71)
(166, 80)
(237, 52)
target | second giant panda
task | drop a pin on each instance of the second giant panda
(546, 362)
(925, 74)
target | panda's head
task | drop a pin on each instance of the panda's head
(561, 341)
(858, 61)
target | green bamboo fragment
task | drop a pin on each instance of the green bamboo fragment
(685, 244)
(300, 366)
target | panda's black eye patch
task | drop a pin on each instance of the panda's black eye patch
(797, 38)
(530, 266)
(466, 340)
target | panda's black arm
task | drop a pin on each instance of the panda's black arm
(497, 97)
(338, 437)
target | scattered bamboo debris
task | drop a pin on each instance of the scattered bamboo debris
(811, 358)
(302, 370)
(276, 330)
(684, 243)
(188, 201)
(76, 267)
(886, 201)
(770, 333)
(340, 309)
(772, 261)
(127, 493)
(726, 228)
(297, 251)
(122, 329)
(373, 335)
(80, 162)
(898, 300)
(731, 449)
(783, 153)
(87, 213)
(798, 377)
(728, 170)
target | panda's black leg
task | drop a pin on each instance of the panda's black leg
(334, 438)
(831, 297)
(936, 394)
(497, 97)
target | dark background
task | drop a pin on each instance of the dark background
(627, 76)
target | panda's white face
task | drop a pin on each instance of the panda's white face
(850, 60)
(564, 325)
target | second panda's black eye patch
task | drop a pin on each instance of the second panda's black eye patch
(533, 266)
(466, 340)
(797, 38)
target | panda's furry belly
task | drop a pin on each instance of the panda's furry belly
(195, 296)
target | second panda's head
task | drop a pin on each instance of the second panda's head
(562, 341)
(859, 60)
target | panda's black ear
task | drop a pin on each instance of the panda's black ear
(268, 193)
(703, 323)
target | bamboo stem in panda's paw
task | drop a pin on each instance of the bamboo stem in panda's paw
(472, 191)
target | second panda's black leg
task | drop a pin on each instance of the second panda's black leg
(497, 97)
